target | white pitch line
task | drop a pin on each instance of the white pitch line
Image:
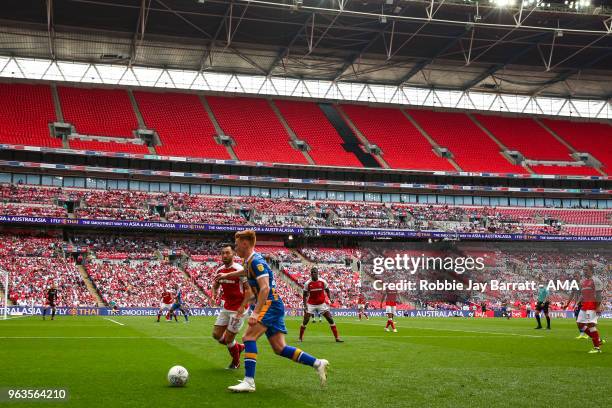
(114, 321)
(207, 337)
(15, 317)
(453, 330)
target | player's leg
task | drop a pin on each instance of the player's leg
(537, 315)
(185, 313)
(581, 326)
(332, 325)
(160, 312)
(53, 312)
(547, 316)
(233, 347)
(220, 327)
(249, 338)
(218, 333)
(590, 318)
(277, 341)
(305, 321)
(44, 312)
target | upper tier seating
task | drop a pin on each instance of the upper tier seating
(182, 124)
(26, 113)
(403, 146)
(98, 112)
(472, 149)
(526, 136)
(310, 124)
(586, 137)
(258, 133)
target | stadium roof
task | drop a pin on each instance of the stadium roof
(553, 51)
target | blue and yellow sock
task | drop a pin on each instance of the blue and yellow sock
(298, 355)
(250, 358)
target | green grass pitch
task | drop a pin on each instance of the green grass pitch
(430, 362)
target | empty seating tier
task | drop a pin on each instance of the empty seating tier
(182, 124)
(402, 144)
(258, 133)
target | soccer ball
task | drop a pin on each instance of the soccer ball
(178, 376)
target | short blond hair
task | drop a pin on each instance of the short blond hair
(247, 235)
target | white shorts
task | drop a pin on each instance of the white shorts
(228, 318)
(360, 307)
(164, 306)
(587, 316)
(390, 309)
(322, 308)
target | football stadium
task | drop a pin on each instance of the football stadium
(305, 203)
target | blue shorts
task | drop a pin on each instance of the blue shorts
(176, 306)
(272, 315)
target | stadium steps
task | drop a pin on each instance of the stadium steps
(90, 286)
(290, 131)
(56, 103)
(139, 118)
(186, 275)
(218, 129)
(502, 146)
(290, 282)
(141, 122)
(351, 142)
(428, 137)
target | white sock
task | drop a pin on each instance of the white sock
(317, 363)
(232, 344)
(249, 380)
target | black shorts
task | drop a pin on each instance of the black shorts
(51, 303)
(542, 306)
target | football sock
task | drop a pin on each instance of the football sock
(334, 330)
(538, 319)
(298, 355)
(250, 358)
(548, 322)
(594, 335)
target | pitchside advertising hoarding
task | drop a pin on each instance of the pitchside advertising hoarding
(209, 311)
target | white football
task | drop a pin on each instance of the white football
(178, 376)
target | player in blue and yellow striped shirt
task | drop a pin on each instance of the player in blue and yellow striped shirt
(268, 315)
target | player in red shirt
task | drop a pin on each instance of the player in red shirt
(362, 306)
(165, 304)
(235, 295)
(315, 290)
(390, 300)
(591, 291)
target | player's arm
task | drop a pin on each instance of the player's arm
(599, 296)
(234, 274)
(215, 291)
(328, 294)
(246, 299)
(305, 295)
